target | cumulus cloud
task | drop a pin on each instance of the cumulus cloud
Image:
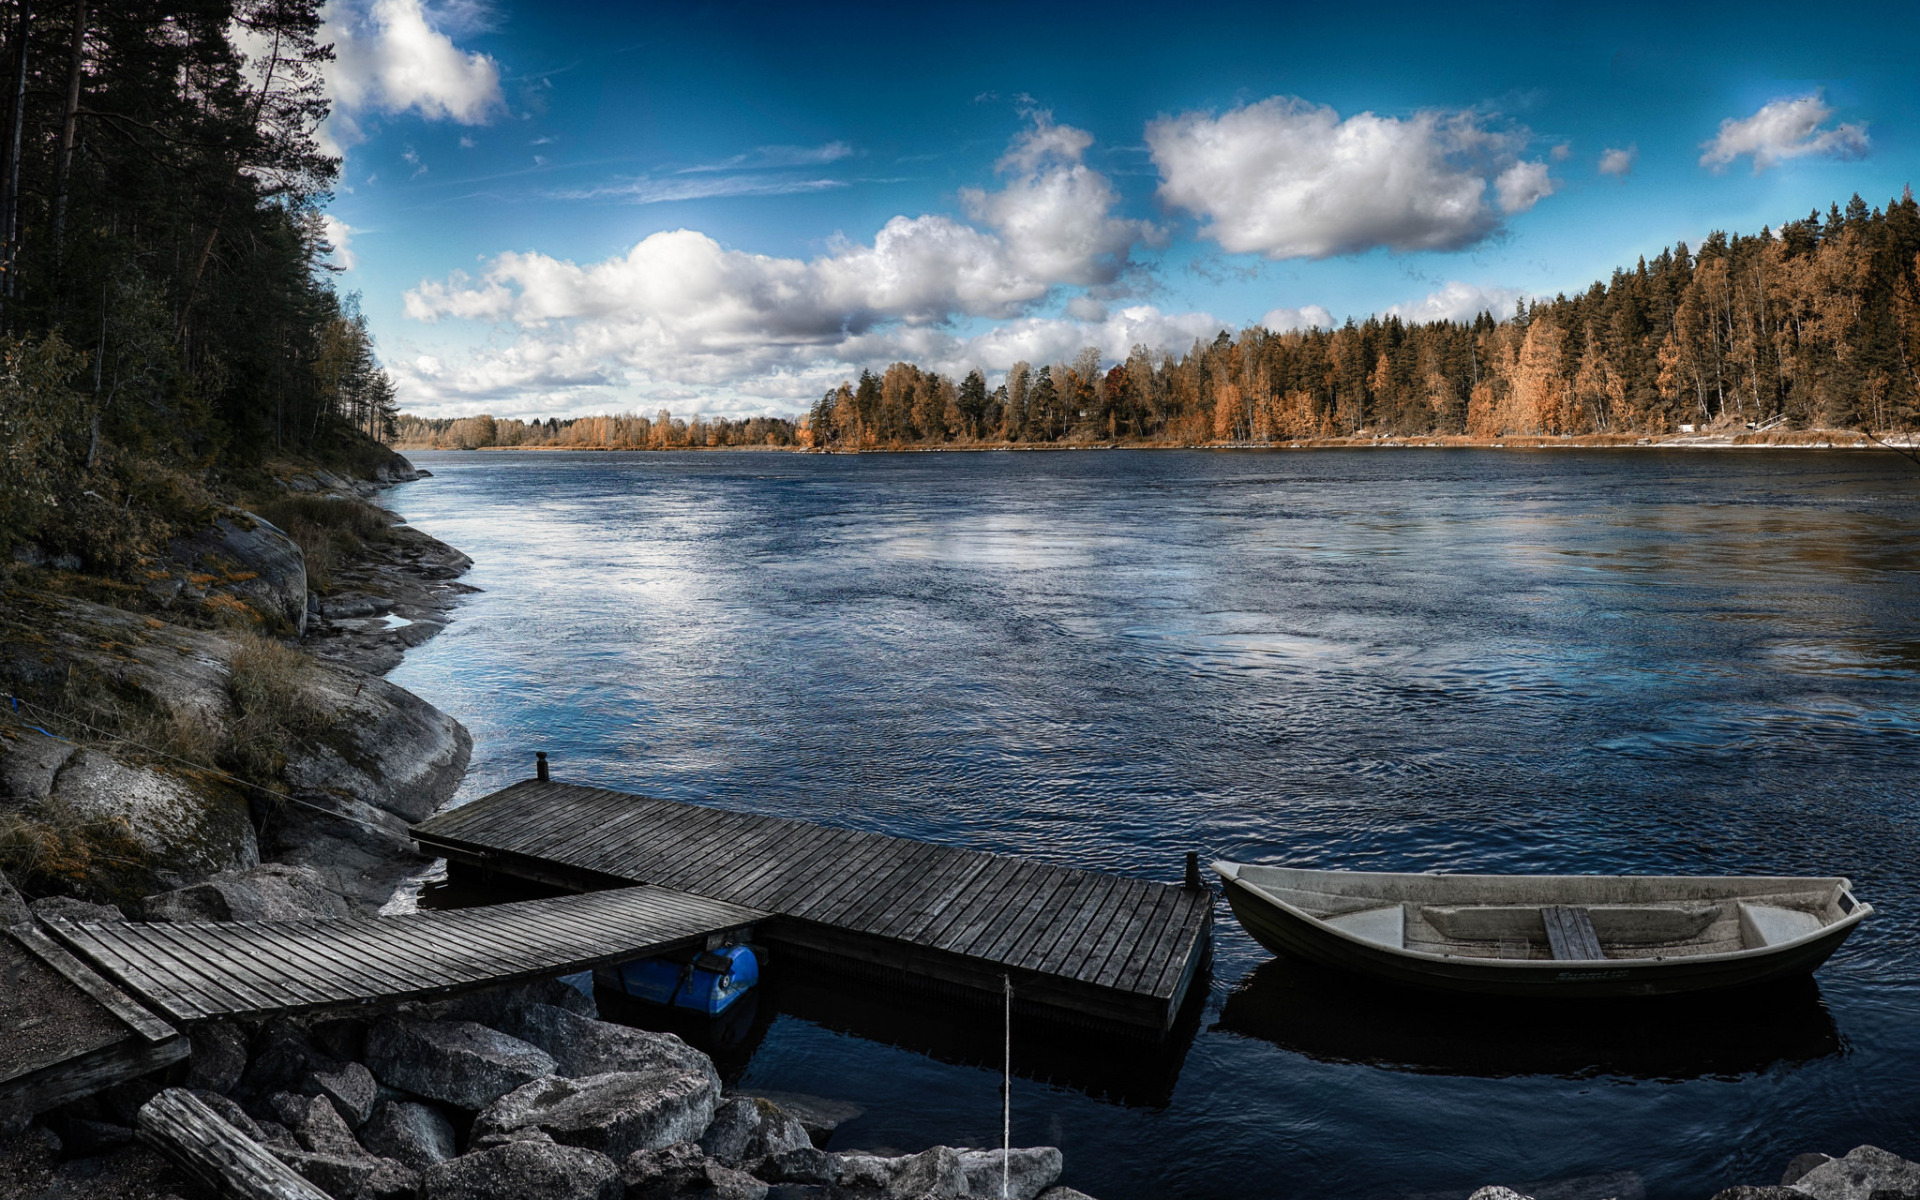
(1784, 129)
(681, 310)
(1310, 316)
(394, 56)
(1619, 161)
(1290, 179)
(339, 235)
(1458, 301)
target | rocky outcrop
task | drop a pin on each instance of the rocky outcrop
(1028, 1172)
(457, 1062)
(181, 828)
(268, 892)
(616, 1113)
(524, 1171)
(242, 561)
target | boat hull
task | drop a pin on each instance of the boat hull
(1299, 936)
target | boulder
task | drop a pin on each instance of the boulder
(283, 1057)
(418, 1135)
(583, 1046)
(1863, 1171)
(463, 1064)
(29, 760)
(80, 912)
(219, 1057)
(681, 1171)
(747, 1129)
(276, 1136)
(818, 1114)
(616, 1113)
(351, 1089)
(232, 1113)
(318, 1127)
(338, 1176)
(268, 892)
(1029, 1171)
(502, 1006)
(930, 1173)
(1494, 1191)
(524, 1171)
(344, 1038)
(804, 1166)
(1747, 1191)
(1067, 1193)
(1801, 1164)
(390, 1181)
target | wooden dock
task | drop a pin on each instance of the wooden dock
(197, 972)
(1080, 946)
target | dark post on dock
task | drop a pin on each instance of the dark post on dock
(540, 765)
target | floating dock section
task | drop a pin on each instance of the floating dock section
(1078, 946)
(215, 970)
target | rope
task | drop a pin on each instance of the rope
(187, 762)
(1006, 1093)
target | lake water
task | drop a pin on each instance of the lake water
(1407, 660)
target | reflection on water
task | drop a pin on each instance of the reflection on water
(1341, 1018)
(1471, 661)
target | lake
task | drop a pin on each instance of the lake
(1558, 661)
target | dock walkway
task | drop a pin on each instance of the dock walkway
(1083, 946)
(204, 971)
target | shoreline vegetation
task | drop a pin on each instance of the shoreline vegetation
(1810, 329)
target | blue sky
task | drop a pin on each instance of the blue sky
(557, 209)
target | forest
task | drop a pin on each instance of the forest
(169, 320)
(1815, 325)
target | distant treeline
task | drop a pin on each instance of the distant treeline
(1816, 325)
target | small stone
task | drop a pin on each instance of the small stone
(682, 1171)
(616, 1113)
(458, 1062)
(747, 1129)
(524, 1171)
(1028, 1171)
(219, 1057)
(351, 1088)
(417, 1135)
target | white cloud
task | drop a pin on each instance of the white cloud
(392, 56)
(1458, 301)
(1310, 316)
(1289, 179)
(1523, 185)
(766, 158)
(1784, 129)
(1619, 161)
(339, 235)
(680, 311)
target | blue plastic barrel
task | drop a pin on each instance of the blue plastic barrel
(709, 983)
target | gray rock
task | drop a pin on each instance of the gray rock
(1801, 1164)
(66, 908)
(344, 1038)
(268, 892)
(186, 828)
(681, 1171)
(820, 1115)
(387, 747)
(283, 1056)
(13, 908)
(583, 1046)
(808, 1166)
(232, 1113)
(29, 760)
(288, 1108)
(747, 1129)
(351, 1089)
(931, 1173)
(488, 1140)
(1494, 1191)
(252, 561)
(1067, 1193)
(524, 1171)
(337, 1176)
(219, 1056)
(1029, 1171)
(319, 1127)
(616, 1113)
(418, 1135)
(276, 1136)
(1747, 1191)
(458, 1062)
(390, 1181)
(1863, 1171)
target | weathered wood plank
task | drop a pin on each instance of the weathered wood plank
(1570, 933)
(149, 1027)
(181, 1126)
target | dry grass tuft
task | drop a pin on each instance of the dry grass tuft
(272, 702)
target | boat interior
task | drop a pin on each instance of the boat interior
(1569, 918)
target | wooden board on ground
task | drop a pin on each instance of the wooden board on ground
(928, 915)
(196, 972)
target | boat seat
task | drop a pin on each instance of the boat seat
(1570, 933)
(1384, 926)
(1766, 925)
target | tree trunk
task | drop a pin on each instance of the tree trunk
(67, 129)
(10, 191)
(214, 1153)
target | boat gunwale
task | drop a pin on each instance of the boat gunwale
(1861, 911)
